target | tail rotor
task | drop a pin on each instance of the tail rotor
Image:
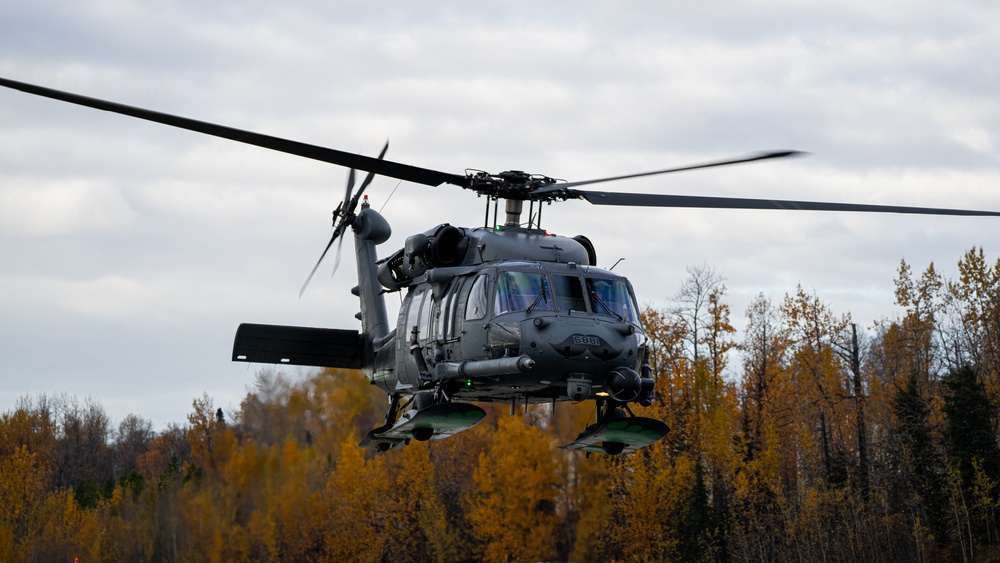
(343, 217)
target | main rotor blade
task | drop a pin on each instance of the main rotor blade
(314, 152)
(708, 202)
(760, 156)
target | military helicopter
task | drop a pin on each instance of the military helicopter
(506, 312)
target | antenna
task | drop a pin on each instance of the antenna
(393, 192)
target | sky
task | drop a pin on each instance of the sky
(131, 251)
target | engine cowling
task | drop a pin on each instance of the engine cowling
(443, 247)
(448, 247)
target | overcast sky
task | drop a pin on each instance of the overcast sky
(130, 251)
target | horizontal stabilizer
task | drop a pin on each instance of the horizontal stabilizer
(298, 346)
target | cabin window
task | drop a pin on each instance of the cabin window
(569, 293)
(518, 291)
(444, 314)
(445, 327)
(612, 297)
(427, 315)
(413, 314)
(475, 308)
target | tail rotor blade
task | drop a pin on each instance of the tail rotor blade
(368, 180)
(336, 257)
(342, 217)
(339, 221)
(336, 234)
(344, 208)
(354, 205)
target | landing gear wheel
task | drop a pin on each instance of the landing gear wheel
(425, 399)
(617, 431)
(613, 448)
(422, 434)
(608, 411)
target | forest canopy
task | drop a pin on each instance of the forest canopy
(807, 436)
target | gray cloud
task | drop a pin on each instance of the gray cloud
(130, 251)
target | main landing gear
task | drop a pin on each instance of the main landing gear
(432, 417)
(616, 432)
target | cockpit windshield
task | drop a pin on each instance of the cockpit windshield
(612, 297)
(569, 293)
(519, 291)
(534, 291)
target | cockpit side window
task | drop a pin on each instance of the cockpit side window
(612, 297)
(475, 308)
(518, 291)
(569, 293)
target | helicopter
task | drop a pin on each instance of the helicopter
(502, 313)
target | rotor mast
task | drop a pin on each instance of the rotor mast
(513, 208)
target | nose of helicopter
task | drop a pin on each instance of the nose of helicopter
(580, 345)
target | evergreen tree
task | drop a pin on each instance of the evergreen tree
(921, 467)
(970, 419)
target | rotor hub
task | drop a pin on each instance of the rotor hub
(510, 185)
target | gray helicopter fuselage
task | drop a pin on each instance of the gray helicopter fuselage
(499, 315)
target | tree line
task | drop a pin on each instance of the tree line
(805, 437)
